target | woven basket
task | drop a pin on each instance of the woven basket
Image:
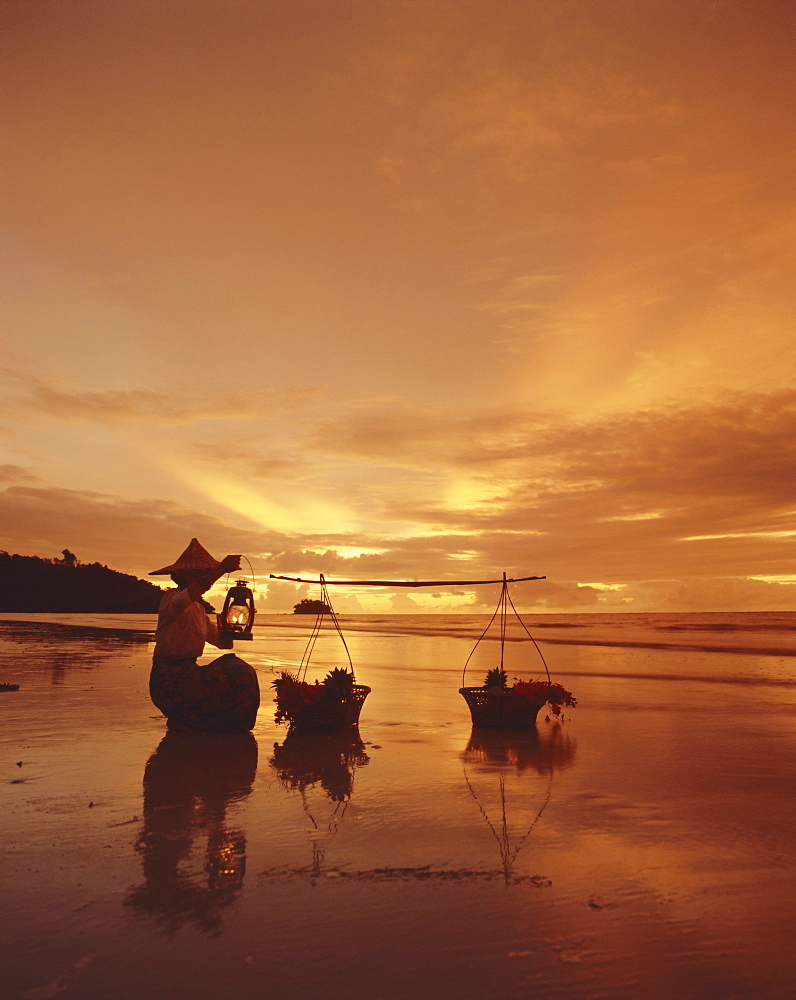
(499, 709)
(333, 712)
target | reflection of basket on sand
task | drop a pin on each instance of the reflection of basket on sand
(495, 705)
(329, 759)
(325, 758)
(333, 704)
(497, 770)
(550, 750)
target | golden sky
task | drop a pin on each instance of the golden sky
(406, 290)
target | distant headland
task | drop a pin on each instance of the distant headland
(31, 584)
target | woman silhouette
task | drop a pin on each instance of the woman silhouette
(221, 696)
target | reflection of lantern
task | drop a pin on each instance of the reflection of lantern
(238, 614)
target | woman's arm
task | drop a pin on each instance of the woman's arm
(197, 587)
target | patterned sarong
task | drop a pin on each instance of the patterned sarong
(218, 697)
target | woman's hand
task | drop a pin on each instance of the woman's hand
(197, 587)
(224, 640)
(229, 564)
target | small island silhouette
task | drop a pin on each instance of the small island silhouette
(306, 606)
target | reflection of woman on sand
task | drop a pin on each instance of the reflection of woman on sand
(189, 782)
(221, 696)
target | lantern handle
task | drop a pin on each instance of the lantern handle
(251, 573)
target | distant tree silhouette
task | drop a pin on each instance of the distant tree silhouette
(306, 606)
(69, 558)
(28, 583)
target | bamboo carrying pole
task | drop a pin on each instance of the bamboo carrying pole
(408, 583)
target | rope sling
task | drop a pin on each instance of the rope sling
(334, 704)
(316, 631)
(504, 603)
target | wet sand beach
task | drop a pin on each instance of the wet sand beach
(641, 848)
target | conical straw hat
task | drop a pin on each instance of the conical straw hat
(194, 559)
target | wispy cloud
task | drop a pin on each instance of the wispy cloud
(112, 530)
(614, 495)
(103, 406)
(260, 458)
(114, 405)
(17, 474)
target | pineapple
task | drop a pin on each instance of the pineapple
(339, 680)
(285, 678)
(496, 678)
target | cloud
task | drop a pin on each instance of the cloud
(276, 596)
(116, 406)
(422, 436)
(501, 94)
(16, 474)
(103, 406)
(740, 445)
(261, 458)
(640, 565)
(619, 495)
(134, 536)
(616, 500)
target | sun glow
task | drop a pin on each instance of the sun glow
(650, 515)
(472, 493)
(354, 552)
(293, 512)
(739, 534)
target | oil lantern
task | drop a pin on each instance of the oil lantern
(238, 614)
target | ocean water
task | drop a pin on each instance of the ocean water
(763, 633)
(640, 848)
(732, 648)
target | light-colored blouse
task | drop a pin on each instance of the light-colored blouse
(183, 626)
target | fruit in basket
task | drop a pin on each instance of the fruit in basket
(339, 680)
(496, 678)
